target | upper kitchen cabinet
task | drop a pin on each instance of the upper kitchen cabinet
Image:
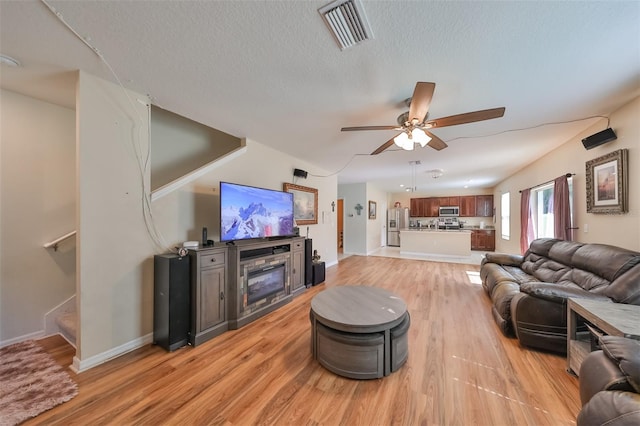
(484, 205)
(468, 206)
(416, 207)
(451, 201)
(432, 207)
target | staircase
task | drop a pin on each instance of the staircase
(63, 320)
(68, 324)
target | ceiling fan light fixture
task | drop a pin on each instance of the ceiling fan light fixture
(404, 141)
(407, 139)
(419, 136)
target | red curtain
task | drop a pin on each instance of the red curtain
(526, 224)
(561, 209)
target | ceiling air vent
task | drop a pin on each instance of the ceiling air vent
(347, 21)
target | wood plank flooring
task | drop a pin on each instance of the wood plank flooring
(460, 371)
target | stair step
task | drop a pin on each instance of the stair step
(68, 324)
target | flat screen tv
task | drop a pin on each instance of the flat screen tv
(248, 212)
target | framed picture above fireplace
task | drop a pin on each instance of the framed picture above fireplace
(607, 183)
(305, 203)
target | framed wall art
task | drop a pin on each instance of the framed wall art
(372, 209)
(305, 203)
(607, 183)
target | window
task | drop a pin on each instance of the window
(542, 209)
(505, 216)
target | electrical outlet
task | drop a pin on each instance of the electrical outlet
(586, 228)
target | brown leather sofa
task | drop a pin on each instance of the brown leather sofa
(529, 292)
(610, 384)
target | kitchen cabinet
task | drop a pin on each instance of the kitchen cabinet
(443, 201)
(484, 205)
(431, 208)
(468, 206)
(416, 207)
(452, 201)
(483, 239)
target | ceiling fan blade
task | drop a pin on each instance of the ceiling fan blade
(421, 100)
(435, 142)
(469, 117)
(350, 129)
(382, 147)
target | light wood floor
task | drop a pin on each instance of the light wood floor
(460, 371)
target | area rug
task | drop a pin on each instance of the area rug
(31, 382)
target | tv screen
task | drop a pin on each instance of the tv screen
(248, 212)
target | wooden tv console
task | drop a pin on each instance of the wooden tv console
(218, 283)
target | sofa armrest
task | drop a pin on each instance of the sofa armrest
(503, 259)
(557, 293)
(612, 408)
(625, 353)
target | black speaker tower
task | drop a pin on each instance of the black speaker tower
(308, 254)
(599, 138)
(171, 301)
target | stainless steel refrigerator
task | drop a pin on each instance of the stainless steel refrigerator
(397, 219)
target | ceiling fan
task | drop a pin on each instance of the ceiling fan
(415, 129)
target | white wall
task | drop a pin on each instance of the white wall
(182, 214)
(376, 227)
(114, 251)
(355, 226)
(180, 145)
(108, 136)
(619, 230)
(37, 187)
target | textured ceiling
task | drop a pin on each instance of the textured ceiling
(270, 71)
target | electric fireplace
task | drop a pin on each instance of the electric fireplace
(264, 282)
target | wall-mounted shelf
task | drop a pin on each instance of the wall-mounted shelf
(57, 241)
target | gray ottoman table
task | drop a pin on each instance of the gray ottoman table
(359, 332)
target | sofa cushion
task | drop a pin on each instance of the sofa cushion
(554, 292)
(626, 354)
(541, 246)
(550, 271)
(584, 279)
(563, 251)
(519, 275)
(607, 261)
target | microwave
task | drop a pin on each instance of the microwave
(449, 211)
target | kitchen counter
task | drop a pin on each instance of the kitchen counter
(451, 242)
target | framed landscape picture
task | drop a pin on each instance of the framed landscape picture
(305, 203)
(607, 183)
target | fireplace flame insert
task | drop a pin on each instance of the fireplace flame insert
(264, 282)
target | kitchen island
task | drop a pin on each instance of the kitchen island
(448, 242)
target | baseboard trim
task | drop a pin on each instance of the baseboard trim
(79, 365)
(31, 336)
